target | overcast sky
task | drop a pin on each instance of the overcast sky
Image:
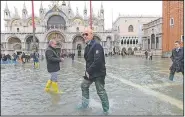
(118, 7)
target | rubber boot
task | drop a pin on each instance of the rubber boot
(48, 85)
(55, 87)
(36, 65)
(171, 76)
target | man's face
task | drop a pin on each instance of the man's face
(177, 45)
(54, 44)
(87, 35)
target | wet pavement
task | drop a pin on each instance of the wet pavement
(135, 86)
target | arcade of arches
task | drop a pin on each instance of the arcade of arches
(78, 45)
(29, 43)
(152, 42)
(97, 39)
(14, 43)
(56, 21)
(59, 39)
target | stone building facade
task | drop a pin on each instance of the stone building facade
(152, 35)
(129, 31)
(58, 21)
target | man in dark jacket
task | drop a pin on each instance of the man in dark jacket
(146, 54)
(53, 66)
(177, 59)
(95, 71)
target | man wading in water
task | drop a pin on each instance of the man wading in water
(53, 66)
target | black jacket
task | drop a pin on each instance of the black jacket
(95, 60)
(53, 59)
(178, 60)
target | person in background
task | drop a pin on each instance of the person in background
(36, 59)
(150, 55)
(177, 58)
(146, 54)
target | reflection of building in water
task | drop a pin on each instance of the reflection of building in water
(59, 22)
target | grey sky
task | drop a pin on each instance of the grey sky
(118, 7)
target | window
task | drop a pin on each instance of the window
(171, 21)
(6, 13)
(121, 42)
(77, 29)
(182, 38)
(118, 28)
(17, 29)
(130, 28)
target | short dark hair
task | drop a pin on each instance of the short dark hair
(177, 42)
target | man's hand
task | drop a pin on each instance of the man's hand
(62, 59)
(87, 74)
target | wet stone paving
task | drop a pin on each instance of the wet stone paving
(135, 86)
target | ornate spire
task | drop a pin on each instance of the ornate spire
(64, 3)
(101, 6)
(24, 6)
(69, 5)
(77, 13)
(6, 7)
(41, 7)
(24, 12)
(16, 12)
(85, 8)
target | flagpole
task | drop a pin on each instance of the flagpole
(91, 14)
(33, 25)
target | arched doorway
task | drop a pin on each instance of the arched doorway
(56, 21)
(128, 42)
(135, 49)
(148, 44)
(79, 45)
(131, 41)
(60, 41)
(157, 42)
(153, 41)
(14, 43)
(97, 39)
(134, 42)
(125, 41)
(29, 43)
(130, 51)
(109, 44)
(124, 51)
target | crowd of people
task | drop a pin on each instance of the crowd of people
(21, 58)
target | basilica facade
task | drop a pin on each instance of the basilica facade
(58, 22)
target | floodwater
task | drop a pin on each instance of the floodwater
(135, 86)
